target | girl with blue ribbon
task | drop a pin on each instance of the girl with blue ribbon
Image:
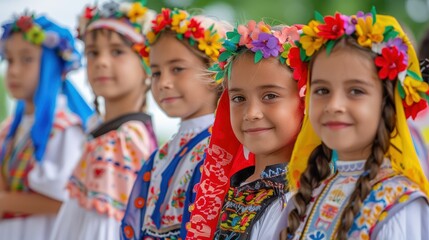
(41, 143)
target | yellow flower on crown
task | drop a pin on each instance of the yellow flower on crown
(179, 22)
(368, 32)
(210, 44)
(311, 42)
(136, 12)
(412, 87)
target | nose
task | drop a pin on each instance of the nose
(12, 70)
(253, 111)
(336, 103)
(102, 60)
(165, 81)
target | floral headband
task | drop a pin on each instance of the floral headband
(187, 28)
(128, 19)
(391, 47)
(265, 42)
(35, 34)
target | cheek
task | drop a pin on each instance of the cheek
(235, 119)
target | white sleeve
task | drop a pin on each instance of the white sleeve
(411, 222)
(62, 154)
(271, 223)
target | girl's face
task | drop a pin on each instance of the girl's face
(264, 105)
(114, 69)
(345, 102)
(23, 67)
(179, 85)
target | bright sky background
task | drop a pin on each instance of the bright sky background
(65, 13)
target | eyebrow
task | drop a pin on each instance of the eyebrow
(263, 87)
(172, 61)
(349, 81)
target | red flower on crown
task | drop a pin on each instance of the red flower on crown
(161, 21)
(89, 12)
(298, 66)
(333, 27)
(391, 63)
(25, 23)
(194, 29)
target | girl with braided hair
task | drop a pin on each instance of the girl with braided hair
(354, 165)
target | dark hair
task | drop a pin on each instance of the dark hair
(318, 167)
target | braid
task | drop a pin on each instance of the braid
(317, 170)
(96, 105)
(372, 166)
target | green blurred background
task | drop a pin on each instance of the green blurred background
(413, 13)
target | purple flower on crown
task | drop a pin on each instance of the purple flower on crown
(361, 14)
(51, 40)
(268, 44)
(349, 24)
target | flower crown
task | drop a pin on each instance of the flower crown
(134, 16)
(265, 42)
(186, 27)
(35, 34)
(387, 42)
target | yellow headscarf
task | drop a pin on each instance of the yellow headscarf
(402, 153)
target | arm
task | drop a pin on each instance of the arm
(411, 223)
(28, 203)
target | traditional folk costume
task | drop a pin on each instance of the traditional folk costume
(225, 206)
(397, 206)
(40, 151)
(114, 150)
(159, 197)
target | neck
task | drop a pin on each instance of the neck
(29, 107)
(129, 103)
(263, 160)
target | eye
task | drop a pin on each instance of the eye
(27, 59)
(269, 96)
(237, 99)
(321, 91)
(155, 75)
(357, 91)
(178, 69)
(91, 53)
(117, 52)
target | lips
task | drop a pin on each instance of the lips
(169, 99)
(102, 79)
(256, 130)
(336, 124)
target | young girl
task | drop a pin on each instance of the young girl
(260, 111)
(182, 49)
(41, 144)
(363, 180)
(115, 150)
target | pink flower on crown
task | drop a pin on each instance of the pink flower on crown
(287, 35)
(245, 32)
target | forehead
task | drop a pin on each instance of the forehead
(247, 74)
(17, 44)
(168, 48)
(99, 36)
(343, 64)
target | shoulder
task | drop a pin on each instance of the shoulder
(65, 119)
